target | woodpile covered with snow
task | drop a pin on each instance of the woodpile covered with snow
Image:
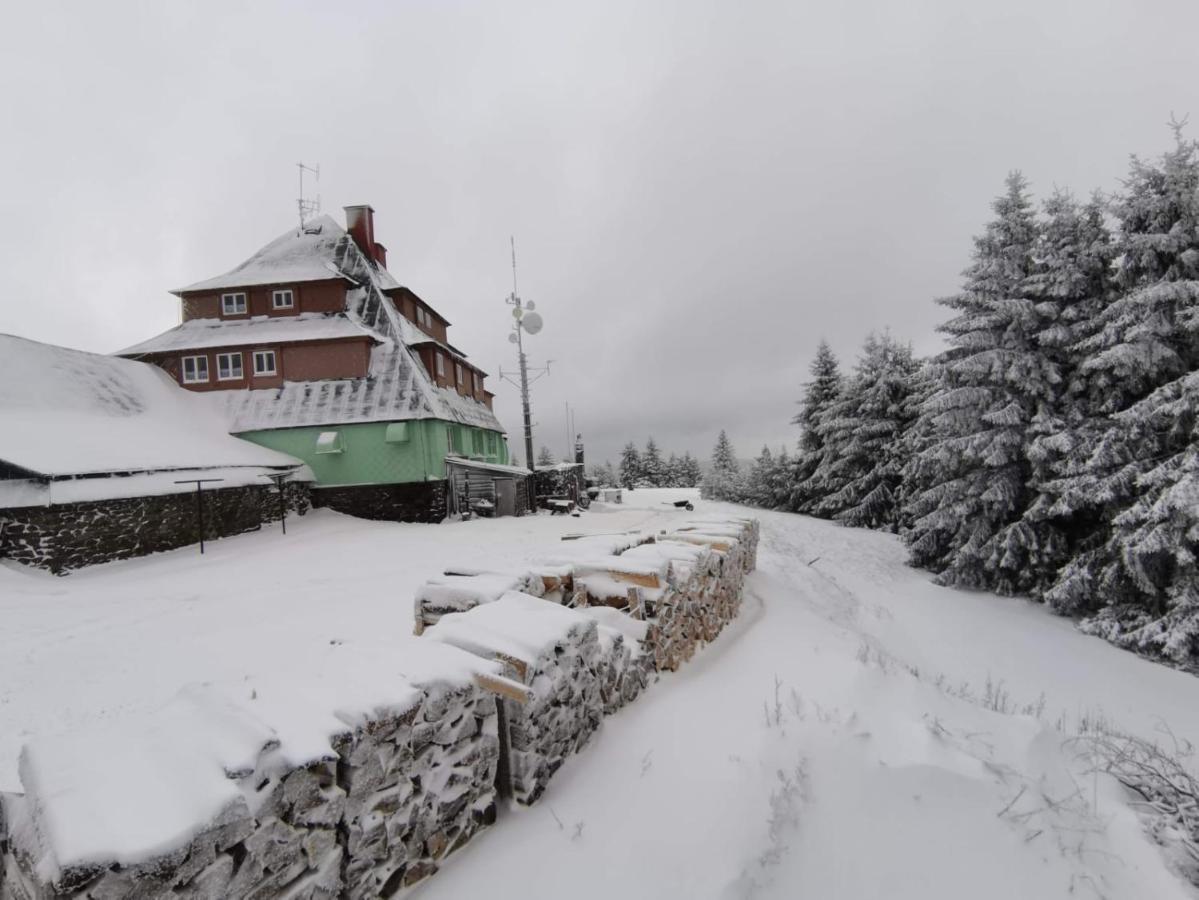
(556, 653)
(354, 787)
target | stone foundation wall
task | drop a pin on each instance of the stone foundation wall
(70, 536)
(418, 501)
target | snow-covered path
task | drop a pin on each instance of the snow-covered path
(820, 748)
(800, 757)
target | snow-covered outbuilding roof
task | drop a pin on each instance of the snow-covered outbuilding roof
(397, 387)
(67, 413)
(199, 334)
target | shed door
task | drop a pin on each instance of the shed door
(505, 497)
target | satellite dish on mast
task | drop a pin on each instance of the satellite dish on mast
(531, 322)
(530, 306)
(512, 338)
(517, 313)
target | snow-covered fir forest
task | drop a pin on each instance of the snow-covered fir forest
(1050, 449)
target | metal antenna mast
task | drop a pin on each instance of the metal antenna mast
(308, 208)
(527, 322)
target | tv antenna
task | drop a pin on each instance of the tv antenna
(308, 208)
(527, 322)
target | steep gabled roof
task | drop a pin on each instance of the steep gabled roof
(308, 255)
(69, 413)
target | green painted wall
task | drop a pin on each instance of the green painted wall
(366, 456)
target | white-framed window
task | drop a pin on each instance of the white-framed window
(283, 299)
(228, 367)
(440, 364)
(460, 372)
(264, 362)
(423, 318)
(195, 369)
(478, 381)
(233, 304)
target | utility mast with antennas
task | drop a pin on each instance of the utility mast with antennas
(527, 322)
(308, 208)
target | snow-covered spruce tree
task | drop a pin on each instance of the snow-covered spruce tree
(966, 525)
(653, 470)
(867, 427)
(545, 458)
(819, 394)
(723, 481)
(1140, 472)
(630, 465)
(671, 472)
(1072, 285)
(758, 482)
(690, 470)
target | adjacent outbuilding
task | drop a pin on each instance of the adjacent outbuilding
(100, 459)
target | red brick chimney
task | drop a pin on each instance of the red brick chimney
(360, 223)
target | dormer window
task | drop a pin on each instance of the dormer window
(440, 365)
(233, 304)
(423, 318)
(461, 374)
(284, 299)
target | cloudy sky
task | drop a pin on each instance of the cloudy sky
(699, 191)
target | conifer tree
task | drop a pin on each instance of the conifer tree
(966, 525)
(819, 394)
(869, 456)
(723, 481)
(652, 468)
(690, 470)
(758, 484)
(1072, 286)
(1142, 354)
(630, 465)
(672, 472)
(544, 457)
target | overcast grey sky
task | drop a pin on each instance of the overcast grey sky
(699, 191)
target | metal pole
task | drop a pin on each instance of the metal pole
(200, 513)
(282, 504)
(524, 398)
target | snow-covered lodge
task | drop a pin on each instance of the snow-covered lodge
(99, 458)
(315, 350)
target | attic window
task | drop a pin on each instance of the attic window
(283, 299)
(329, 442)
(440, 364)
(233, 304)
(397, 433)
(228, 366)
(460, 373)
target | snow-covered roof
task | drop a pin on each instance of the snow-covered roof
(398, 389)
(66, 412)
(498, 468)
(308, 255)
(197, 334)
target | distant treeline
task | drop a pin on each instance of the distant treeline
(647, 468)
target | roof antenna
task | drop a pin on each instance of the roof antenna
(308, 208)
(512, 239)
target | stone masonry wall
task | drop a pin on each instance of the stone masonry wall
(418, 501)
(69, 536)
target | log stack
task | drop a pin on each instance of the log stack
(627, 660)
(461, 589)
(556, 653)
(358, 786)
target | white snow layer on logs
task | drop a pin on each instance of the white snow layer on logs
(556, 652)
(358, 781)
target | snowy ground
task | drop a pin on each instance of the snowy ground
(835, 742)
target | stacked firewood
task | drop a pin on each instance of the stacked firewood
(556, 653)
(627, 665)
(231, 801)
(461, 589)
